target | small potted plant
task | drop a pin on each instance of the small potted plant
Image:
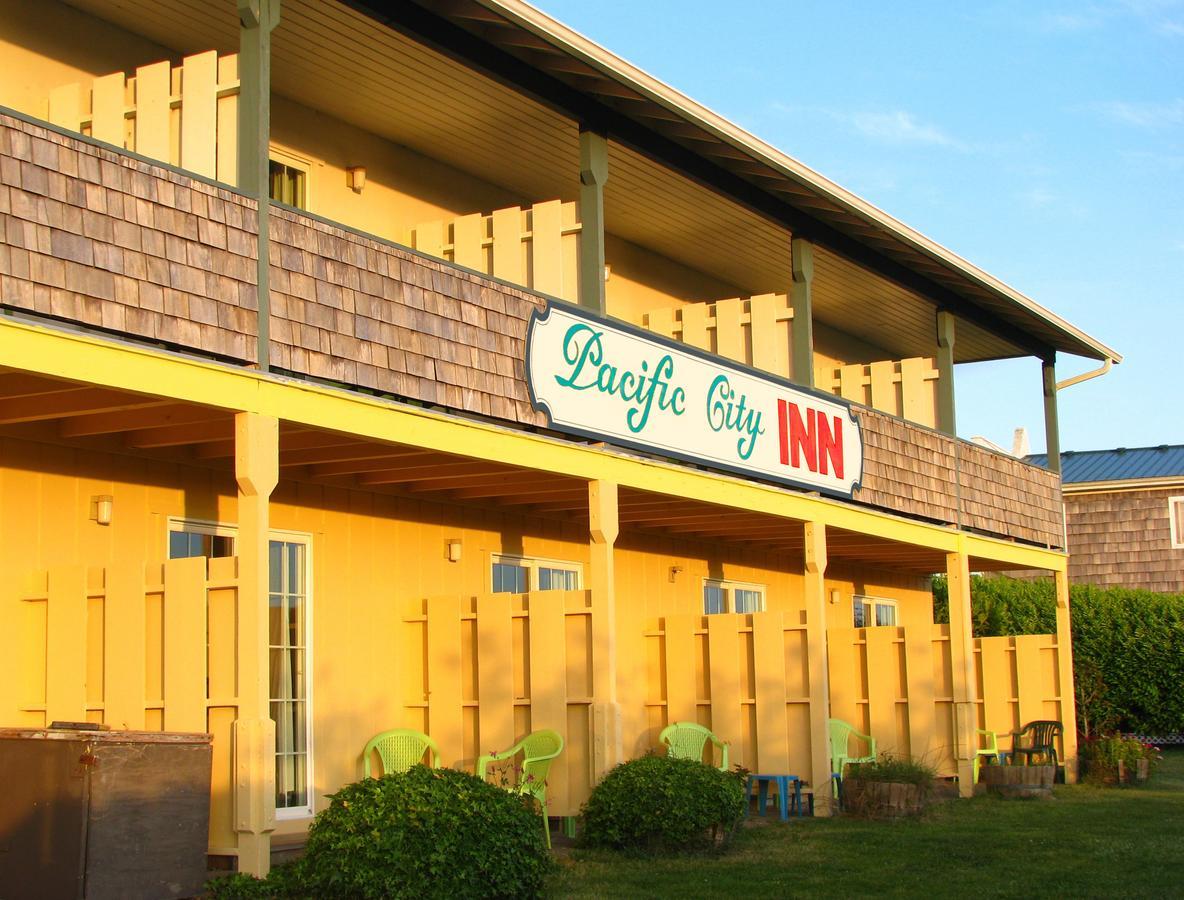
(887, 788)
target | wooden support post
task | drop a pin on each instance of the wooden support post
(1065, 675)
(593, 176)
(256, 469)
(965, 679)
(819, 666)
(257, 18)
(801, 298)
(606, 712)
(946, 419)
(1052, 428)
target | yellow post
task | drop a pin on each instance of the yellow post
(1065, 675)
(606, 712)
(962, 660)
(256, 468)
(815, 595)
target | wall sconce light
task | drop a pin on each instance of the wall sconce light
(453, 550)
(835, 596)
(356, 178)
(675, 571)
(101, 508)
(608, 272)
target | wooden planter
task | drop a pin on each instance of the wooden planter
(1019, 782)
(883, 799)
(1119, 773)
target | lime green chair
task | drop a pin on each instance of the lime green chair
(538, 749)
(399, 750)
(686, 740)
(840, 739)
(988, 748)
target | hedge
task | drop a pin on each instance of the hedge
(1128, 646)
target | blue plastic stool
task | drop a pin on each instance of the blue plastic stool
(782, 782)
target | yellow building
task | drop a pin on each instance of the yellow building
(445, 371)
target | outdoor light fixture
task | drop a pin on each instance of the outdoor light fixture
(674, 573)
(453, 547)
(835, 596)
(101, 508)
(356, 178)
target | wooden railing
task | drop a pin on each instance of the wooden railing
(132, 647)
(186, 115)
(756, 331)
(906, 388)
(536, 247)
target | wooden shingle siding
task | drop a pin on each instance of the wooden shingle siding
(1006, 496)
(1123, 539)
(110, 241)
(907, 469)
(364, 312)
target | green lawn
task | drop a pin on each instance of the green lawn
(1087, 842)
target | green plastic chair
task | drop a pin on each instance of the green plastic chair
(840, 737)
(399, 750)
(991, 750)
(538, 749)
(1037, 738)
(686, 740)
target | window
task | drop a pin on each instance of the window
(1176, 517)
(732, 597)
(871, 611)
(520, 575)
(289, 634)
(288, 178)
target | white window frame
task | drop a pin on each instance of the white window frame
(1175, 515)
(532, 564)
(728, 587)
(287, 157)
(872, 603)
(220, 529)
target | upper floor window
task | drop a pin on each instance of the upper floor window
(288, 179)
(522, 574)
(721, 596)
(1176, 517)
(870, 611)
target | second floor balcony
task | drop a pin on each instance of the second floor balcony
(426, 200)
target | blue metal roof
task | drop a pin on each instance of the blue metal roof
(1123, 464)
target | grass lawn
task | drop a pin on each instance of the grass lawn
(1087, 842)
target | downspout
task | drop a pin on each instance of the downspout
(1085, 376)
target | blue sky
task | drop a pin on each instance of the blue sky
(1044, 142)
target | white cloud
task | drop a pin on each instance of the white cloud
(900, 127)
(1142, 113)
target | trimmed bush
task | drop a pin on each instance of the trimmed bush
(660, 805)
(425, 833)
(1128, 646)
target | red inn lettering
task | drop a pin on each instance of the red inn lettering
(814, 438)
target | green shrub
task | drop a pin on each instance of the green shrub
(1128, 646)
(660, 805)
(895, 769)
(425, 833)
(1100, 756)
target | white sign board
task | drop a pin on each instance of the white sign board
(613, 382)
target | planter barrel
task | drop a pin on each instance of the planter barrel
(882, 799)
(1015, 782)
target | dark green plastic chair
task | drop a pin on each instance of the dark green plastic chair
(686, 740)
(399, 750)
(538, 749)
(1036, 739)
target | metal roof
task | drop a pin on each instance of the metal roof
(523, 31)
(1122, 464)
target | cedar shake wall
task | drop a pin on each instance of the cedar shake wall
(1123, 539)
(99, 237)
(105, 239)
(366, 312)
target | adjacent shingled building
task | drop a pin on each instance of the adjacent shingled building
(1124, 512)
